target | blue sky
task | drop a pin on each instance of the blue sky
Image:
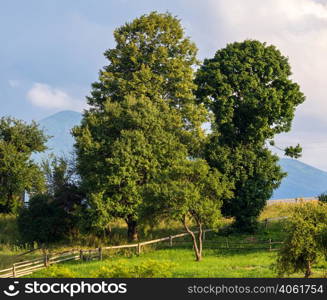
(51, 51)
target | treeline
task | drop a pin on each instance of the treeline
(142, 151)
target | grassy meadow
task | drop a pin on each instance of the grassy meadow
(179, 260)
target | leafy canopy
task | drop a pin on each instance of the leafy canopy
(121, 149)
(18, 172)
(189, 192)
(143, 116)
(246, 86)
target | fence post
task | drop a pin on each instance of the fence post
(45, 259)
(204, 235)
(269, 244)
(13, 271)
(139, 249)
(100, 253)
(266, 223)
(170, 241)
(81, 254)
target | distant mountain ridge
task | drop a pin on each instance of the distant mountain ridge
(302, 180)
(58, 127)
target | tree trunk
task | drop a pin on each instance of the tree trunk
(308, 271)
(131, 230)
(197, 249)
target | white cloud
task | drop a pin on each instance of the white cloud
(45, 96)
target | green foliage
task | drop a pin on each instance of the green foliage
(56, 271)
(294, 152)
(120, 150)
(322, 240)
(56, 215)
(305, 229)
(189, 189)
(18, 173)
(146, 269)
(42, 221)
(142, 119)
(152, 58)
(9, 232)
(63, 185)
(254, 173)
(323, 197)
(247, 87)
(189, 192)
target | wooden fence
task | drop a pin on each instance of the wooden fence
(27, 267)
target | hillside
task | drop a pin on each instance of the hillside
(302, 180)
(58, 126)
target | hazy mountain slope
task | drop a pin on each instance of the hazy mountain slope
(58, 126)
(302, 180)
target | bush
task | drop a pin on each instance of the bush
(42, 221)
(305, 239)
(146, 269)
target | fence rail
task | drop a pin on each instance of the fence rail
(27, 267)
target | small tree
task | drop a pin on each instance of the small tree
(302, 246)
(191, 193)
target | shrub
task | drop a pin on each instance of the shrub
(42, 221)
(303, 245)
(146, 269)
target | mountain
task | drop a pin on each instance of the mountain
(58, 126)
(302, 180)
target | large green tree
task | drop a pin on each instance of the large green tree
(18, 173)
(121, 149)
(247, 87)
(142, 116)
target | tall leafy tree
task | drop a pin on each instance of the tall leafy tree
(143, 115)
(18, 173)
(248, 88)
(120, 150)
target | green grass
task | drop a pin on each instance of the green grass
(253, 264)
(215, 263)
